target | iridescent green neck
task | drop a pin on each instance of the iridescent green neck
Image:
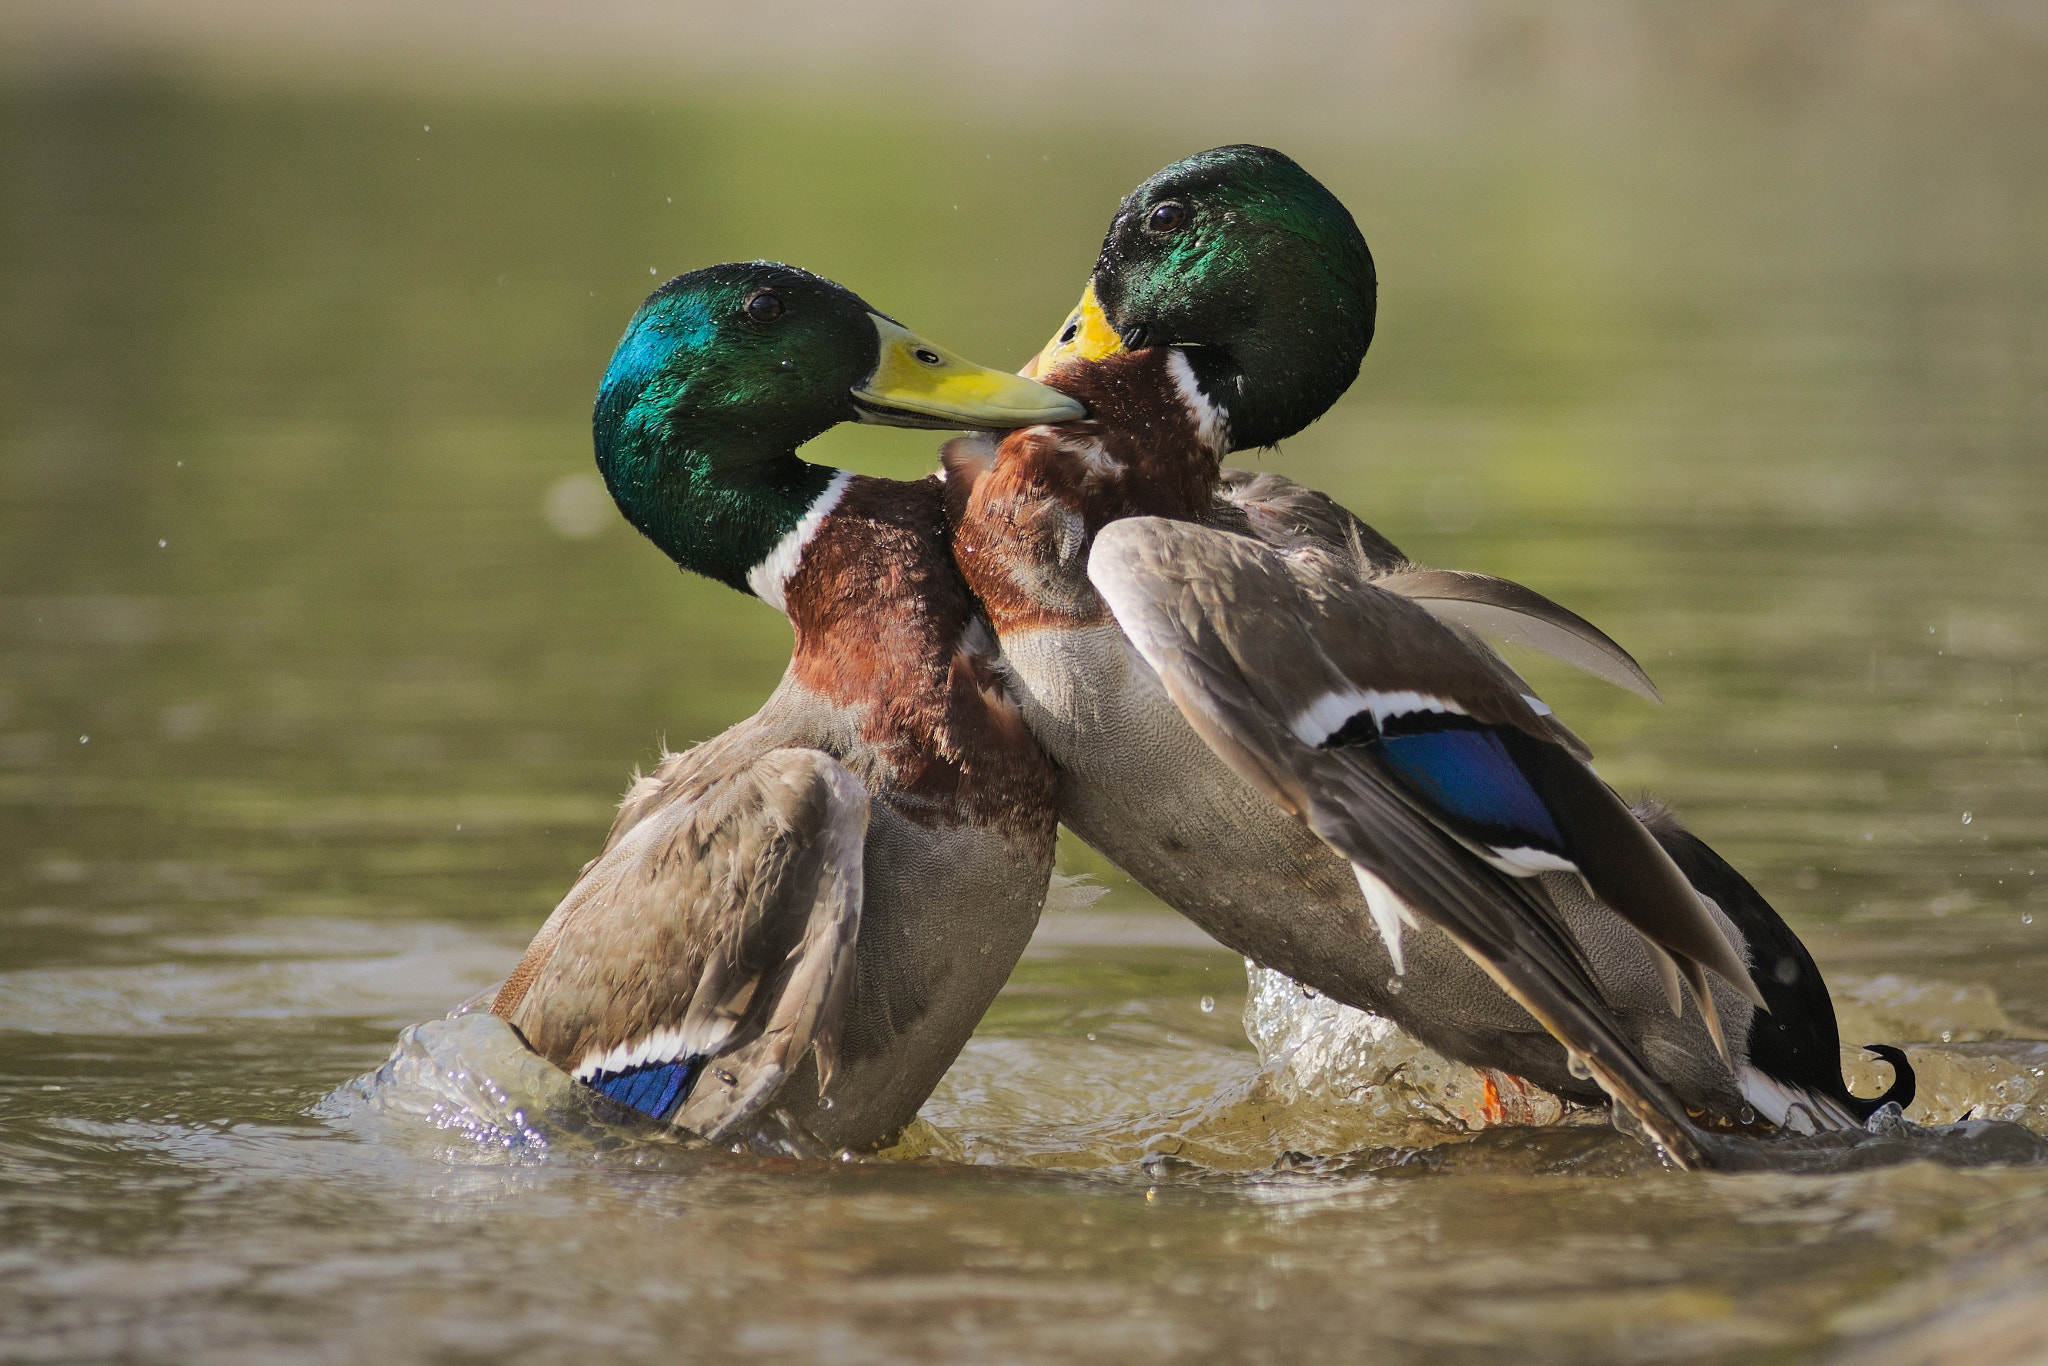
(718, 503)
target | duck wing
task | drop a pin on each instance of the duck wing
(1506, 610)
(1398, 740)
(1286, 515)
(1289, 516)
(1335, 663)
(710, 946)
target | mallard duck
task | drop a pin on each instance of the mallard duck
(793, 928)
(1284, 729)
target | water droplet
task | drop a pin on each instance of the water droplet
(1748, 1116)
(163, 545)
(1151, 1192)
(1393, 986)
(2026, 919)
(85, 739)
(1966, 818)
(825, 1104)
(1208, 1005)
(1091, 1038)
(458, 828)
(652, 271)
(1576, 1065)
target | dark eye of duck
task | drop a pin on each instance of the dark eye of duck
(1164, 218)
(928, 356)
(763, 306)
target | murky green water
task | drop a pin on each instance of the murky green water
(314, 693)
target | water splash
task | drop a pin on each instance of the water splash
(1983, 1098)
(1887, 1139)
(1314, 1047)
(469, 1090)
(475, 1093)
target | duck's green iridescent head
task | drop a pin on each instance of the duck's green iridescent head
(725, 371)
(1242, 260)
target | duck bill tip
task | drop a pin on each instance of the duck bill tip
(918, 383)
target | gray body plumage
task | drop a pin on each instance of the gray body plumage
(942, 914)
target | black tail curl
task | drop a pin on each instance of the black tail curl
(1904, 1086)
(1797, 1041)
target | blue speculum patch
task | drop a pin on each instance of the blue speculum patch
(1469, 774)
(656, 1090)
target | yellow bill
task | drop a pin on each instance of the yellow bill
(1085, 335)
(918, 384)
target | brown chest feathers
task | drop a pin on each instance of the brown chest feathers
(1025, 512)
(886, 629)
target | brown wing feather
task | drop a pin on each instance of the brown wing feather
(1274, 509)
(1278, 512)
(1501, 607)
(726, 912)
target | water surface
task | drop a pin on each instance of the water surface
(319, 672)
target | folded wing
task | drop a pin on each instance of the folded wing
(1413, 752)
(709, 947)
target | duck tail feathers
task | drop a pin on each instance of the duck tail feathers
(1792, 1072)
(1904, 1084)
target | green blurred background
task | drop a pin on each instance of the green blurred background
(1723, 324)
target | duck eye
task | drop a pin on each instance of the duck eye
(1166, 217)
(763, 306)
(928, 356)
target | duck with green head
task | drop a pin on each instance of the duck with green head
(1268, 716)
(793, 928)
